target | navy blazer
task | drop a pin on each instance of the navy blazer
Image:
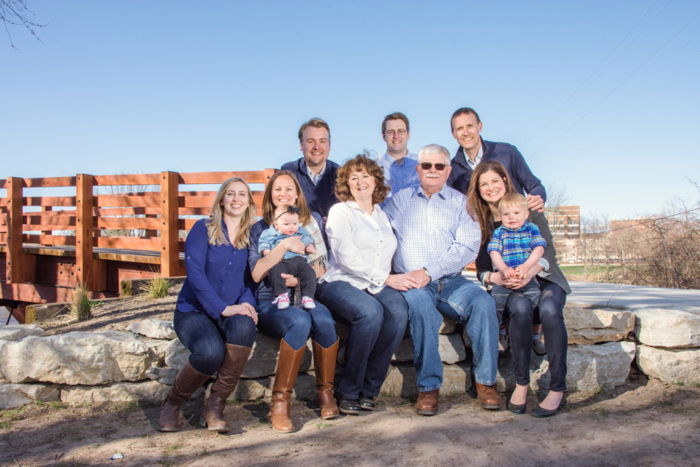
(217, 276)
(522, 177)
(319, 197)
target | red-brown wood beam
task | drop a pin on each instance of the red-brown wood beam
(18, 264)
(169, 254)
(83, 228)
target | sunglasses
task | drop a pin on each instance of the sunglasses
(428, 166)
(290, 210)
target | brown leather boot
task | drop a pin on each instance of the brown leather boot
(488, 396)
(229, 373)
(324, 367)
(288, 363)
(186, 382)
(427, 403)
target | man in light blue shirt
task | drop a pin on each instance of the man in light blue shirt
(436, 239)
(398, 163)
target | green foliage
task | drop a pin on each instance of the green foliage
(157, 287)
(125, 288)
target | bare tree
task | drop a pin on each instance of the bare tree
(17, 13)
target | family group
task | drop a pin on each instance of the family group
(380, 246)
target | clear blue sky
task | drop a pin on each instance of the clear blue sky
(601, 97)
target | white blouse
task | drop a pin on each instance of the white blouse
(362, 246)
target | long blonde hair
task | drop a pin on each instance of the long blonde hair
(215, 231)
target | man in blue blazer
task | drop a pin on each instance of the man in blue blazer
(466, 129)
(316, 174)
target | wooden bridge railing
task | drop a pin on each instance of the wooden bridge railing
(138, 218)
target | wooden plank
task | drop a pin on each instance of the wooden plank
(151, 200)
(186, 224)
(51, 217)
(125, 223)
(128, 257)
(252, 176)
(83, 230)
(103, 212)
(169, 254)
(49, 201)
(127, 179)
(48, 182)
(17, 263)
(194, 211)
(199, 200)
(54, 240)
(129, 243)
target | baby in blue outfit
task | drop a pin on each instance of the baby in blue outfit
(285, 225)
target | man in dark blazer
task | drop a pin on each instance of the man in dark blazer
(466, 129)
(316, 174)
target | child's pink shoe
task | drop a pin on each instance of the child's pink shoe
(308, 303)
(282, 301)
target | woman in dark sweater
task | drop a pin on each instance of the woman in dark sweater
(489, 183)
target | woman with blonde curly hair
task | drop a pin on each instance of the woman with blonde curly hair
(215, 314)
(358, 287)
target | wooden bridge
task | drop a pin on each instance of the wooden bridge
(102, 230)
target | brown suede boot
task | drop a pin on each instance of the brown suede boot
(324, 367)
(229, 373)
(186, 382)
(288, 363)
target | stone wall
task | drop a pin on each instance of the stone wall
(140, 365)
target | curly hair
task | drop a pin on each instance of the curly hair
(477, 207)
(361, 163)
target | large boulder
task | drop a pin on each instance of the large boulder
(591, 368)
(450, 346)
(670, 365)
(262, 361)
(660, 327)
(75, 358)
(17, 332)
(17, 395)
(153, 328)
(401, 380)
(150, 392)
(594, 325)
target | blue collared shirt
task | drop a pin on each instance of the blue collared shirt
(434, 233)
(400, 174)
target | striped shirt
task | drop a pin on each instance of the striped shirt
(434, 233)
(515, 246)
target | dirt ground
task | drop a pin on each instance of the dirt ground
(641, 423)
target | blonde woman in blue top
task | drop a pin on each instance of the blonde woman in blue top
(215, 314)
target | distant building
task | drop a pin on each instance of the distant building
(564, 221)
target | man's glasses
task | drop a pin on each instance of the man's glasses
(399, 132)
(428, 166)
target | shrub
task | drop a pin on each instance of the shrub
(82, 305)
(157, 287)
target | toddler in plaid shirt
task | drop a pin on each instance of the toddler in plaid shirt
(515, 247)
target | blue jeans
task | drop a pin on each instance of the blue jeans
(377, 325)
(458, 299)
(500, 295)
(296, 325)
(205, 338)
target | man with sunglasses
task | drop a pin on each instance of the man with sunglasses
(436, 238)
(398, 164)
(466, 129)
